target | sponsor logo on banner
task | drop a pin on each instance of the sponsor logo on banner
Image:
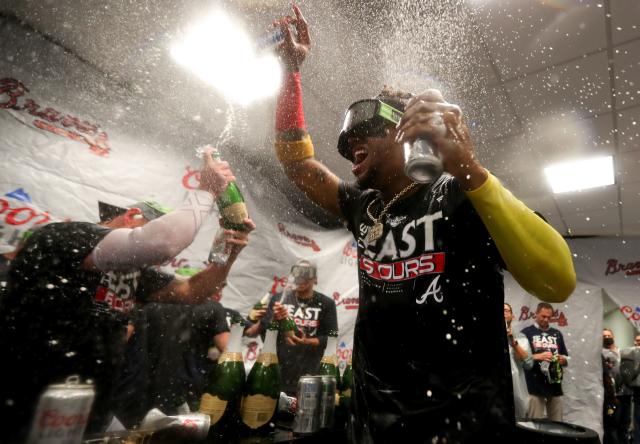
(558, 316)
(632, 314)
(344, 354)
(16, 218)
(13, 97)
(629, 269)
(298, 238)
(350, 253)
(347, 303)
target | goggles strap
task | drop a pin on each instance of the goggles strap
(289, 109)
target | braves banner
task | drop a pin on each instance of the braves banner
(61, 154)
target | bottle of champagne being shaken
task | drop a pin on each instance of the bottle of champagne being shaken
(329, 362)
(221, 400)
(233, 211)
(262, 304)
(263, 386)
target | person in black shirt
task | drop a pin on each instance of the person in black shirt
(72, 285)
(315, 317)
(430, 358)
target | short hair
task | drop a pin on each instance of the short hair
(542, 305)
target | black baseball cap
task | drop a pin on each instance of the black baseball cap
(150, 210)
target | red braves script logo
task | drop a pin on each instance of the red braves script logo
(348, 303)
(558, 316)
(405, 269)
(52, 120)
(298, 238)
(350, 253)
(613, 266)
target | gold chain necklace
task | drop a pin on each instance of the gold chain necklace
(376, 230)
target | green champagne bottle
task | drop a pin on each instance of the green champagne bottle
(346, 386)
(555, 370)
(231, 205)
(221, 400)
(263, 385)
(262, 304)
(329, 362)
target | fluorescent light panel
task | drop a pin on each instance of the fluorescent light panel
(221, 54)
(580, 174)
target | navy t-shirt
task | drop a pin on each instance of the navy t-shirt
(315, 317)
(430, 349)
(541, 341)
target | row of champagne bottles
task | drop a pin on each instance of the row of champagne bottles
(235, 402)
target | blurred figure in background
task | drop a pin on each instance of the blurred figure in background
(544, 378)
(521, 360)
(315, 317)
(623, 392)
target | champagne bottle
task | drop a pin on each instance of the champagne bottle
(260, 305)
(231, 205)
(233, 211)
(555, 370)
(329, 362)
(346, 386)
(221, 400)
(263, 385)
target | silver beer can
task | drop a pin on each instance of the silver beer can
(327, 401)
(62, 413)
(307, 419)
(193, 425)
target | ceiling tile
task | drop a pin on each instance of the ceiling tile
(627, 68)
(625, 20)
(629, 129)
(526, 183)
(601, 222)
(525, 36)
(581, 87)
(595, 199)
(628, 166)
(631, 209)
(506, 156)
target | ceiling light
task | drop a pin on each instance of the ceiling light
(580, 174)
(222, 55)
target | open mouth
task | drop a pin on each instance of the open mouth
(359, 155)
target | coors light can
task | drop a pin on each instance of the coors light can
(62, 413)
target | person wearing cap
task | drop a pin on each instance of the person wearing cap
(315, 317)
(72, 285)
(430, 352)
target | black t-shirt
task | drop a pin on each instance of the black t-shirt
(314, 317)
(179, 337)
(59, 319)
(541, 341)
(430, 349)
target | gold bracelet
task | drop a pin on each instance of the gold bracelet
(294, 151)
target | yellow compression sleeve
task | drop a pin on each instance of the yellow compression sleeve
(295, 150)
(535, 254)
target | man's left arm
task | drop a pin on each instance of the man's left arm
(328, 323)
(563, 353)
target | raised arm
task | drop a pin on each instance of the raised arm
(163, 238)
(293, 144)
(535, 254)
(201, 286)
